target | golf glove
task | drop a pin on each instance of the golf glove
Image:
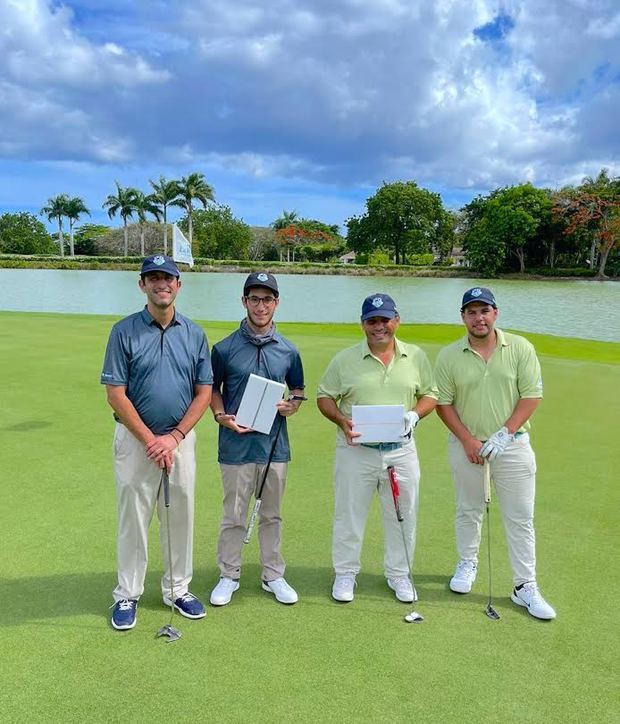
(496, 444)
(410, 421)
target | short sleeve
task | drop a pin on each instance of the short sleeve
(445, 382)
(428, 388)
(115, 364)
(529, 379)
(295, 375)
(204, 372)
(330, 384)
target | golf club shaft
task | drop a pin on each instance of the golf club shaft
(259, 497)
(166, 485)
(399, 516)
(487, 500)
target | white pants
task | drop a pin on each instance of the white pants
(240, 482)
(514, 477)
(138, 491)
(359, 472)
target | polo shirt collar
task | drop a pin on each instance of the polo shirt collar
(150, 321)
(401, 350)
(501, 340)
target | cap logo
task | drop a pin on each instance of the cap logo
(476, 292)
(377, 302)
(262, 277)
(159, 260)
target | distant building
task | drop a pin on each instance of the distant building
(458, 257)
(347, 258)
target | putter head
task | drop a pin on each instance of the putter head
(170, 631)
(491, 612)
(413, 617)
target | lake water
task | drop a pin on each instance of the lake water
(586, 309)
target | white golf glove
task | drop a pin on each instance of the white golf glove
(496, 444)
(410, 421)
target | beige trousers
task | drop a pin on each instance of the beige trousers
(359, 472)
(514, 479)
(240, 482)
(138, 491)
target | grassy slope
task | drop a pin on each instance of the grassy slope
(318, 660)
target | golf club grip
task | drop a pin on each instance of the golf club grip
(395, 492)
(166, 485)
(487, 482)
(248, 533)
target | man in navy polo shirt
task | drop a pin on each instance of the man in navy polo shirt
(157, 374)
(256, 347)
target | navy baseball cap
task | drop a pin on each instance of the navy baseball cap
(261, 279)
(478, 294)
(379, 305)
(160, 263)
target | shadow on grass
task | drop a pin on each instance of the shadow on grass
(39, 598)
(28, 426)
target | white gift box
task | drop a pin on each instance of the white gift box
(258, 404)
(378, 423)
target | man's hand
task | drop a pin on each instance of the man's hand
(347, 427)
(411, 420)
(229, 421)
(287, 407)
(496, 444)
(161, 448)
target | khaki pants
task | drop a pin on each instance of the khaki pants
(514, 478)
(138, 492)
(359, 472)
(239, 483)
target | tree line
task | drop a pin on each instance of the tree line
(518, 228)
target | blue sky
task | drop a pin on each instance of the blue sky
(304, 104)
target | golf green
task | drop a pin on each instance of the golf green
(256, 660)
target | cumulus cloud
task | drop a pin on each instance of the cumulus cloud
(337, 92)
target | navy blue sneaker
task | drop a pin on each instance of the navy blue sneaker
(124, 614)
(188, 606)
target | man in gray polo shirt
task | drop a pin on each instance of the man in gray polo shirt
(157, 374)
(256, 347)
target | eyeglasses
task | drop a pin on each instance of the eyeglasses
(254, 301)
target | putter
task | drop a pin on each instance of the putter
(259, 496)
(489, 610)
(412, 617)
(168, 629)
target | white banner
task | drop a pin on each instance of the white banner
(181, 249)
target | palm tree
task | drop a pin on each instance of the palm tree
(75, 207)
(288, 218)
(164, 193)
(124, 204)
(144, 205)
(57, 209)
(193, 187)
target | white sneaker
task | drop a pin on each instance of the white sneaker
(530, 597)
(342, 590)
(281, 590)
(223, 592)
(464, 576)
(401, 585)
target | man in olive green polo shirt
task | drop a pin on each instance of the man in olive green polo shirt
(381, 370)
(489, 386)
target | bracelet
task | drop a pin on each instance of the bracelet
(296, 397)
(218, 414)
(179, 431)
(174, 437)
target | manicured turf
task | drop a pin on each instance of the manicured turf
(256, 660)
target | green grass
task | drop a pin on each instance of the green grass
(259, 661)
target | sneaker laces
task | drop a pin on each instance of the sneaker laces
(187, 597)
(534, 593)
(124, 604)
(465, 567)
(344, 581)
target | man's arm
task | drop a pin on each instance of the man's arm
(288, 407)
(449, 416)
(329, 409)
(524, 409)
(222, 418)
(424, 406)
(162, 446)
(127, 413)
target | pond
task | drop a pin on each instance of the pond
(586, 309)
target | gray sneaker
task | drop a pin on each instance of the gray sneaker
(343, 587)
(401, 585)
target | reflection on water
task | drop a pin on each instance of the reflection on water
(566, 308)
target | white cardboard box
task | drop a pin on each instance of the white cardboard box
(378, 423)
(258, 404)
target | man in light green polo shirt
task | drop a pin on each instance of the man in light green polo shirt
(381, 370)
(489, 386)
